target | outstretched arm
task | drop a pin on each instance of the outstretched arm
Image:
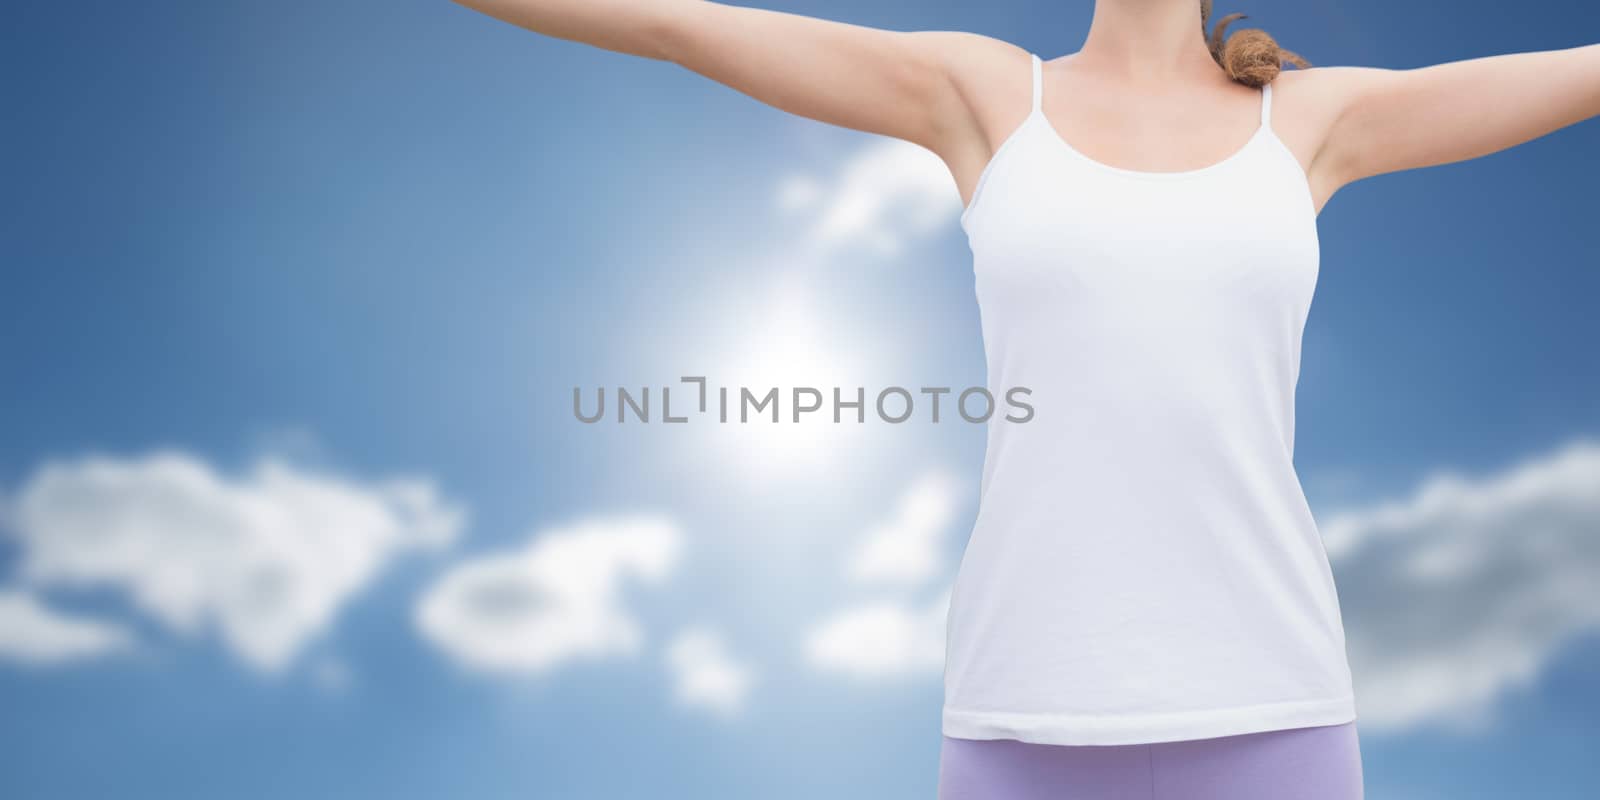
(886, 82)
(1391, 120)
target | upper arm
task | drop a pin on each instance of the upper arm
(894, 83)
(1387, 120)
(925, 87)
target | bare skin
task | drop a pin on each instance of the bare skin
(1142, 92)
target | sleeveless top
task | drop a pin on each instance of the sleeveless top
(1144, 566)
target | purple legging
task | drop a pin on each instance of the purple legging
(1316, 763)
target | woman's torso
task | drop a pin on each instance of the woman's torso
(1144, 566)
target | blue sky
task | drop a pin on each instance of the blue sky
(292, 498)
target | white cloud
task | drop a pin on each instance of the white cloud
(555, 600)
(1467, 588)
(884, 639)
(706, 675)
(908, 548)
(888, 193)
(896, 636)
(266, 559)
(35, 635)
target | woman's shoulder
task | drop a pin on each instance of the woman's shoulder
(980, 60)
(1328, 84)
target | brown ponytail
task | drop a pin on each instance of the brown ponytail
(1250, 56)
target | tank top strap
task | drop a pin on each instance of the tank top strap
(1266, 105)
(1038, 82)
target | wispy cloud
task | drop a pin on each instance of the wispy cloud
(896, 635)
(908, 549)
(266, 559)
(706, 673)
(1468, 587)
(882, 639)
(887, 195)
(555, 600)
(33, 634)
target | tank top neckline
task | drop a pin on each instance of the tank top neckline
(1036, 116)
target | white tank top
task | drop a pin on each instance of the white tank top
(1144, 566)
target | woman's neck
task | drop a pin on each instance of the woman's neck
(1147, 40)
